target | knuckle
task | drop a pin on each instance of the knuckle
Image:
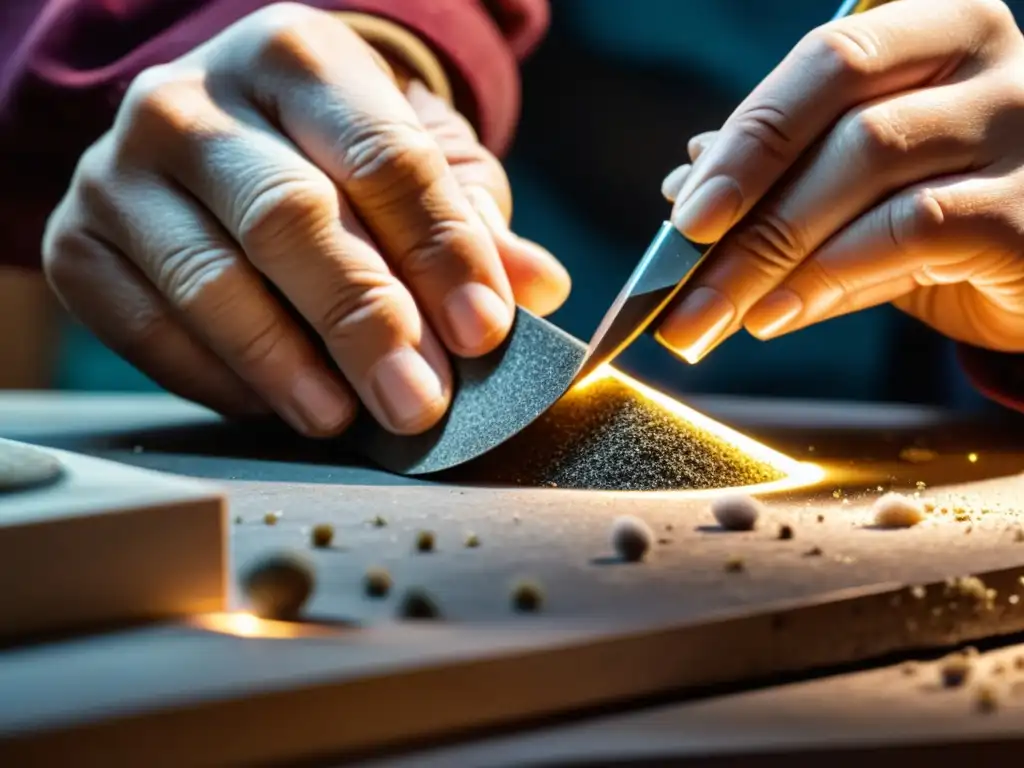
(160, 102)
(197, 274)
(994, 16)
(445, 249)
(844, 48)
(766, 126)
(259, 345)
(283, 210)
(917, 217)
(876, 135)
(284, 33)
(61, 247)
(771, 243)
(388, 161)
(364, 298)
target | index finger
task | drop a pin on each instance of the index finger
(893, 48)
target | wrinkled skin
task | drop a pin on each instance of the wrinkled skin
(882, 161)
(284, 177)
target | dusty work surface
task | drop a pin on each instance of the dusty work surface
(608, 631)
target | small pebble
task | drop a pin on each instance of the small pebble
(785, 532)
(271, 518)
(425, 541)
(378, 522)
(278, 586)
(985, 699)
(322, 535)
(631, 538)
(894, 510)
(955, 670)
(736, 512)
(417, 604)
(377, 582)
(472, 541)
(527, 596)
(735, 564)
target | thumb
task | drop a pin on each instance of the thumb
(539, 281)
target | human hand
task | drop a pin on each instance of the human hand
(898, 137)
(281, 177)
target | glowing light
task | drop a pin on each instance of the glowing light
(249, 625)
(797, 474)
(972, 457)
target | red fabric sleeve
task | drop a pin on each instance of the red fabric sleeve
(65, 65)
(998, 376)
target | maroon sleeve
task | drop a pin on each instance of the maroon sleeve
(65, 66)
(998, 376)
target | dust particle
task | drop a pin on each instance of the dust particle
(271, 518)
(377, 582)
(378, 522)
(277, 586)
(425, 541)
(322, 535)
(736, 511)
(914, 455)
(813, 552)
(894, 510)
(239, 520)
(910, 669)
(918, 592)
(955, 669)
(527, 597)
(985, 699)
(472, 541)
(786, 531)
(631, 538)
(735, 564)
(417, 604)
(821, 518)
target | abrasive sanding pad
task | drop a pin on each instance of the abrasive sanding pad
(496, 397)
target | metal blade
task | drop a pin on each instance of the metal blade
(653, 284)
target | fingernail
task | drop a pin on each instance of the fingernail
(709, 210)
(409, 391)
(772, 314)
(318, 405)
(477, 317)
(674, 182)
(695, 327)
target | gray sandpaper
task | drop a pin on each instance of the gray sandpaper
(496, 396)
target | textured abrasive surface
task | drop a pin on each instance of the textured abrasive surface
(496, 396)
(608, 436)
(22, 466)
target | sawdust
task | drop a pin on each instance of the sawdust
(607, 436)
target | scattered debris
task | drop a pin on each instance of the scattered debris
(736, 512)
(631, 538)
(378, 522)
(377, 582)
(527, 596)
(894, 510)
(425, 541)
(914, 455)
(277, 586)
(735, 564)
(786, 531)
(417, 604)
(472, 541)
(322, 535)
(955, 670)
(271, 518)
(813, 552)
(973, 590)
(985, 698)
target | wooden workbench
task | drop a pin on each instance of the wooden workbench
(611, 634)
